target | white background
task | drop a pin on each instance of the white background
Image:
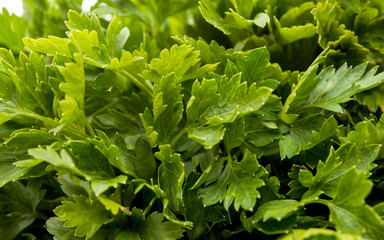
(16, 7)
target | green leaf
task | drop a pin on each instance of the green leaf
(87, 43)
(18, 207)
(124, 159)
(90, 160)
(144, 163)
(116, 37)
(113, 206)
(207, 136)
(86, 217)
(14, 29)
(62, 160)
(237, 183)
(57, 229)
(261, 20)
(330, 172)
(52, 46)
(232, 21)
(297, 15)
(194, 208)
(254, 66)
(330, 88)
(366, 133)
(171, 176)
(15, 161)
(182, 61)
(167, 108)
(74, 85)
(348, 211)
(100, 186)
(236, 100)
(203, 96)
(277, 209)
(306, 133)
(128, 234)
(317, 234)
(74, 186)
(352, 189)
(153, 227)
(235, 133)
(81, 22)
(296, 33)
(306, 178)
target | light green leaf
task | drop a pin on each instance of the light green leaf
(296, 15)
(317, 234)
(254, 67)
(113, 206)
(208, 11)
(62, 160)
(74, 85)
(379, 208)
(207, 136)
(52, 46)
(182, 61)
(301, 91)
(261, 19)
(296, 33)
(116, 37)
(13, 30)
(277, 209)
(81, 22)
(87, 43)
(86, 217)
(100, 186)
(233, 21)
(203, 96)
(244, 7)
(70, 112)
(305, 178)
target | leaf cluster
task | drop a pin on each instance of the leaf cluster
(216, 119)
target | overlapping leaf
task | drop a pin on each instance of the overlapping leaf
(238, 184)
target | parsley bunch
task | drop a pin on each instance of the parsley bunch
(217, 119)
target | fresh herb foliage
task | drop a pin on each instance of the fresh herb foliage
(210, 119)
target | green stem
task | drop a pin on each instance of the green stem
(89, 127)
(41, 216)
(178, 136)
(321, 201)
(145, 87)
(106, 107)
(350, 118)
(52, 122)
